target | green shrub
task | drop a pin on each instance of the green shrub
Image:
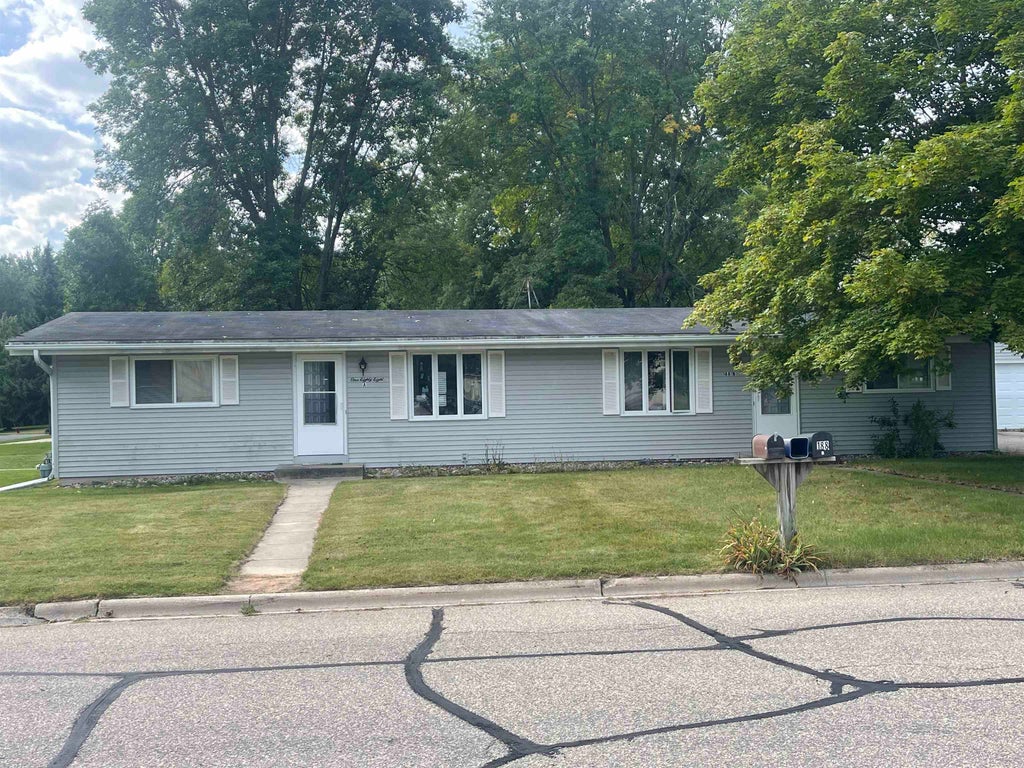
(754, 547)
(924, 425)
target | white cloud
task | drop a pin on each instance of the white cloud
(35, 218)
(37, 153)
(47, 76)
(47, 141)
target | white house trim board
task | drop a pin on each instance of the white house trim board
(386, 345)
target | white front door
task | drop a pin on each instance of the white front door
(319, 405)
(777, 415)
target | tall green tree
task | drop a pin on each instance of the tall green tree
(289, 111)
(880, 146)
(101, 270)
(604, 167)
(47, 296)
(29, 294)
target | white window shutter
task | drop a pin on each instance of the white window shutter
(229, 379)
(944, 381)
(495, 383)
(399, 385)
(705, 395)
(610, 381)
(120, 396)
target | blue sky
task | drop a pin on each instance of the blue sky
(47, 137)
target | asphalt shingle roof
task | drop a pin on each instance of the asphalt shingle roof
(369, 325)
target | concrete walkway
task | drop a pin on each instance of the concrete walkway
(283, 553)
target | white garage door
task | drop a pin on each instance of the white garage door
(1010, 390)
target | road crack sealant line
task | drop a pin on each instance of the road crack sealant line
(519, 746)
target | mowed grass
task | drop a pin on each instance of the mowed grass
(990, 471)
(64, 543)
(18, 461)
(644, 521)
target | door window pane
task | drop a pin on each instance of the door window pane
(319, 407)
(422, 385)
(320, 400)
(772, 404)
(447, 385)
(318, 375)
(633, 372)
(680, 381)
(656, 381)
(193, 381)
(472, 385)
(153, 381)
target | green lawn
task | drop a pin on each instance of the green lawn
(644, 521)
(18, 461)
(990, 471)
(62, 543)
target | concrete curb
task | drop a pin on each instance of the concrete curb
(417, 597)
(652, 586)
(69, 611)
(148, 607)
(518, 592)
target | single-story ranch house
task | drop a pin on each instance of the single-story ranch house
(141, 393)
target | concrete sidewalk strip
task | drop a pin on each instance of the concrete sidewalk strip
(525, 591)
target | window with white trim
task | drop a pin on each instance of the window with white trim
(657, 381)
(447, 385)
(173, 381)
(910, 375)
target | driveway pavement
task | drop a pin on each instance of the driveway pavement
(1011, 442)
(894, 676)
(14, 437)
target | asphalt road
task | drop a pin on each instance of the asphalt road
(882, 676)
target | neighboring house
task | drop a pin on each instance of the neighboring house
(193, 392)
(1009, 388)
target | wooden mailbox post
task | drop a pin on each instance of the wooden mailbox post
(785, 475)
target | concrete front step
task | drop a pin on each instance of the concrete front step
(318, 471)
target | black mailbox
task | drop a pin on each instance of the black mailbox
(768, 447)
(798, 447)
(820, 444)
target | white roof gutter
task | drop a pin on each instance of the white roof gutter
(220, 345)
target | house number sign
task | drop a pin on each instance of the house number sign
(364, 380)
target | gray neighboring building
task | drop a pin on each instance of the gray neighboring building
(137, 393)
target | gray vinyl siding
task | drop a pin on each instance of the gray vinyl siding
(970, 400)
(96, 440)
(553, 407)
(553, 413)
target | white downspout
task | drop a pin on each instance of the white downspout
(48, 370)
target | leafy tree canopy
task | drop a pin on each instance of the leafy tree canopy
(604, 167)
(881, 149)
(102, 270)
(285, 114)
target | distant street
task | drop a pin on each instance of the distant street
(885, 676)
